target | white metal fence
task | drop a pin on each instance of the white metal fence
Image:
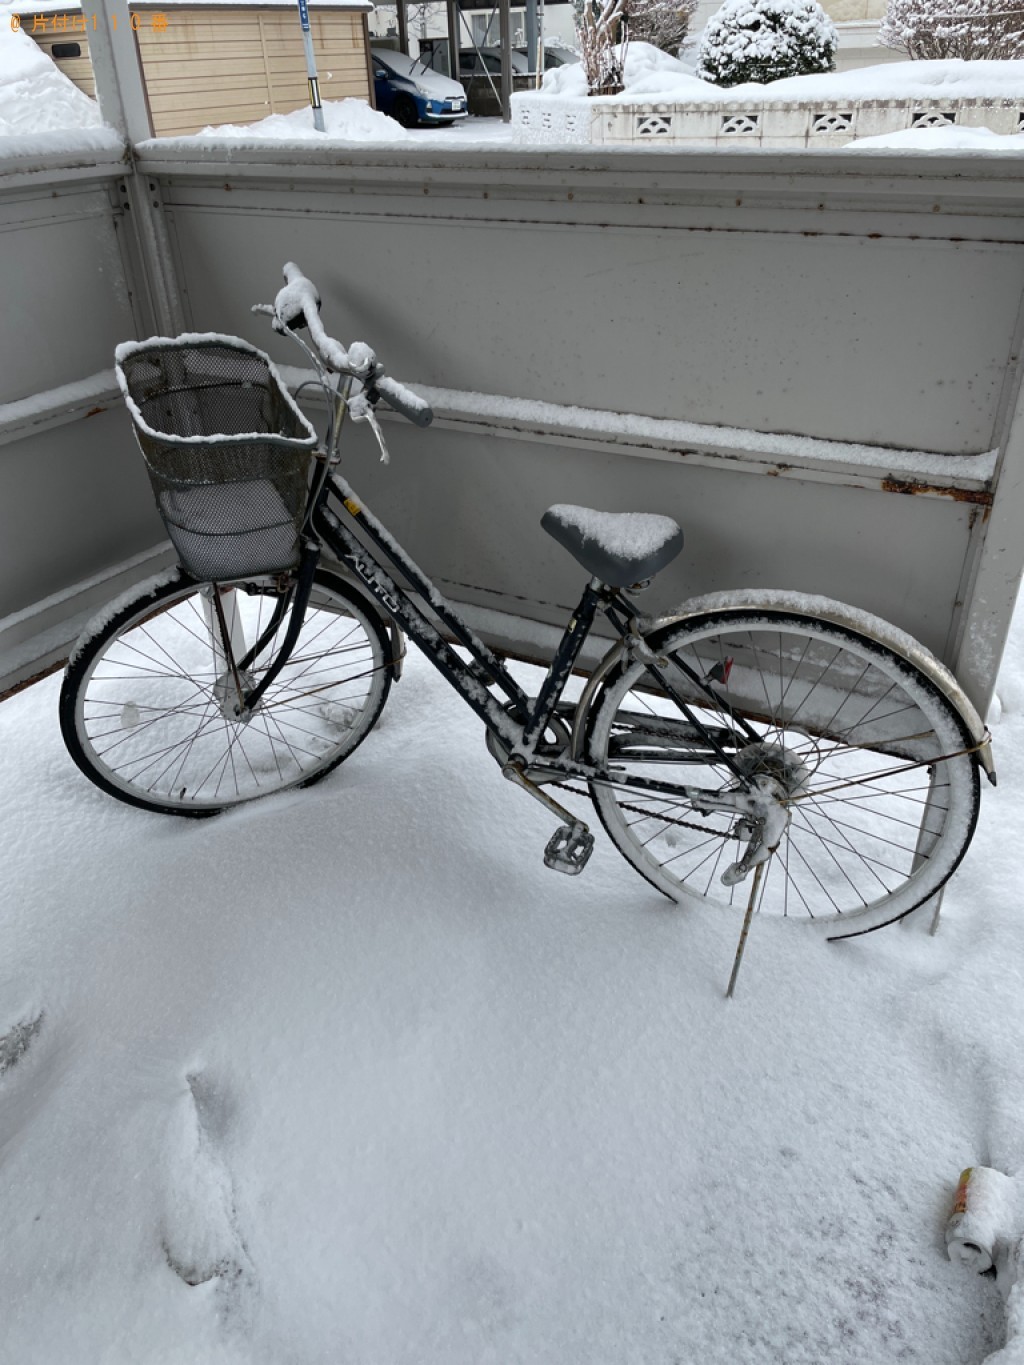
(751, 123)
(811, 360)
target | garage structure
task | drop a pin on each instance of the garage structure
(216, 63)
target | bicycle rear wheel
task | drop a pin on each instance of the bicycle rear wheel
(883, 799)
(147, 703)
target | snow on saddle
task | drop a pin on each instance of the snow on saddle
(619, 548)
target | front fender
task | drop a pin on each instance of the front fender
(398, 648)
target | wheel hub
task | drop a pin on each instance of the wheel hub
(774, 761)
(225, 694)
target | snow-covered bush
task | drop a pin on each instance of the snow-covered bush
(938, 29)
(766, 40)
(597, 33)
(663, 23)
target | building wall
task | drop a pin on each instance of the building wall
(77, 69)
(222, 65)
(853, 11)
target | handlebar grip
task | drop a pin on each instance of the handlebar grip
(403, 400)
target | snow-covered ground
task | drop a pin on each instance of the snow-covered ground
(944, 139)
(353, 120)
(399, 1095)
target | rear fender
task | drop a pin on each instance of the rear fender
(768, 600)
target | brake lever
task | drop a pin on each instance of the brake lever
(361, 410)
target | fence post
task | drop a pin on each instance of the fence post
(120, 83)
(121, 92)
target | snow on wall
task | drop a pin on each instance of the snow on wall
(39, 405)
(37, 100)
(632, 426)
(664, 103)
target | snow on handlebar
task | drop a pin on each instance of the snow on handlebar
(298, 305)
(403, 400)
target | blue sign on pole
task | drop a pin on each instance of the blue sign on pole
(314, 84)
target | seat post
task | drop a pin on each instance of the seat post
(562, 664)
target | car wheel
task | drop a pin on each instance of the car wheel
(405, 112)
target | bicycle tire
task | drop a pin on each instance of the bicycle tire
(145, 705)
(883, 794)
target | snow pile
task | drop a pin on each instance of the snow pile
(766, 40)
(942, 139)
(347, 120)
(643, 62)
(653, 76)
(945, 80)
(38, 104)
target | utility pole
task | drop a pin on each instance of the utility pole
(314, 84)
(505, 20)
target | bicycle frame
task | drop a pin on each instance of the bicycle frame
(520, 724)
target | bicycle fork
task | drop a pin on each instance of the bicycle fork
(233, 658)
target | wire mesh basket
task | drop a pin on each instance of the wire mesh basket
(227, 450)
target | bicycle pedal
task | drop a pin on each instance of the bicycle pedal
(568, 849)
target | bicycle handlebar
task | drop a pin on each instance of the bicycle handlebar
(298, 304)
(403, 400)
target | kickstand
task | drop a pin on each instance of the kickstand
(745, 930)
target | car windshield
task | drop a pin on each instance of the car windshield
(397, 63)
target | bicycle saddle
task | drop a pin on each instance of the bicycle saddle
(619, 548)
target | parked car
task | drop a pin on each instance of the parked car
(480, 74)
(480, 71)
(556, 55)
(475, 63)
(410, 92)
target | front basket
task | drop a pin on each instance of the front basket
(227, 450)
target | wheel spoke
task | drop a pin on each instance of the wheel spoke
(841, 730)
(149, 710)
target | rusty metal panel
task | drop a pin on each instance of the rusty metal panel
(877, 320)
(813, 363)
(66, 297)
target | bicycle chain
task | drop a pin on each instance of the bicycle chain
(670, 819)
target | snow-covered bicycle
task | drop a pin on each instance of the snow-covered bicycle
(811, 759)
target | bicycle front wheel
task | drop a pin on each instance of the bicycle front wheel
(882, 797)
(147, 707)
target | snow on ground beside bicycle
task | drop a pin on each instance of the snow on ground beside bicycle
(401, 1096)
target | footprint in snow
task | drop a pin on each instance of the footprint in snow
(17, 1040)
(28, 1076)
(200, 1235)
